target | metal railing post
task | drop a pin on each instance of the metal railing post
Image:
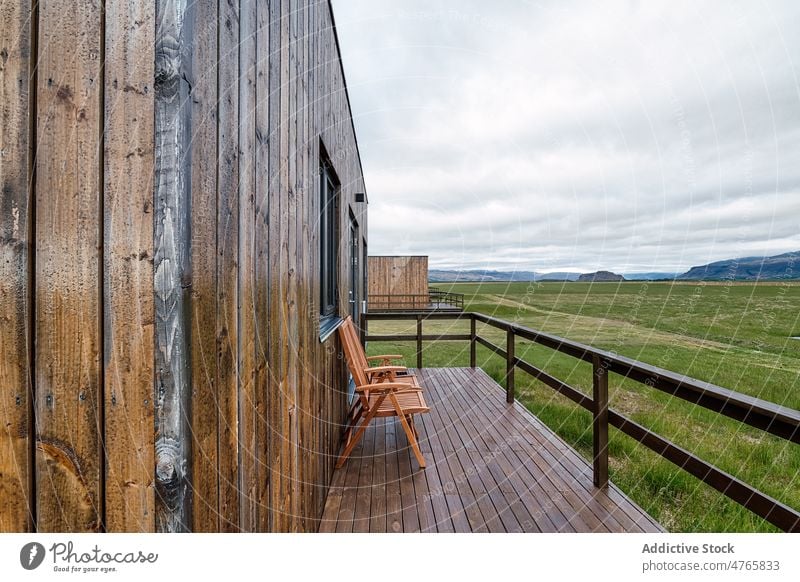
(600, 421)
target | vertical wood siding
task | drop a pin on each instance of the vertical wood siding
(129, 311)
(394, 277)
(68, 310)
(16, 308)
(178, 380)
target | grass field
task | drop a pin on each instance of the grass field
(734, 335)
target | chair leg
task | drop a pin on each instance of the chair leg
(409, 433)
(351, 445)
(359, 433)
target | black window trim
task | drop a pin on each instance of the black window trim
(329, 247)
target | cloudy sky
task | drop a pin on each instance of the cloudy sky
(632, 136)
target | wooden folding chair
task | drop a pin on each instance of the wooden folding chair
(381, 393)
(360, 365)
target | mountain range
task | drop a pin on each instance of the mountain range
(785, 266)
(778, 267)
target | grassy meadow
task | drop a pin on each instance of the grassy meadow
(736, 335)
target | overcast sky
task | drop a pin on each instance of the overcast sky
(631, 136)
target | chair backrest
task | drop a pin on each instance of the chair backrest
(354, 352)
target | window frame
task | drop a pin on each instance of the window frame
(329, 200)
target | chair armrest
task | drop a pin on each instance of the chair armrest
(386, 359)
(387, 387)
(384, 369)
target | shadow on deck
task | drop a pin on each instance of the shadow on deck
(492, 467)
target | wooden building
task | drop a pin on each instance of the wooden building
(397, 282)
(182, 222)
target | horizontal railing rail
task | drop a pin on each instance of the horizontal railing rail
(434, 299)
(772, 418)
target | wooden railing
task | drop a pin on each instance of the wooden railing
(446, 298)
(433, 300)
(774, 419)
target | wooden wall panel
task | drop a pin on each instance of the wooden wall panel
(68, 228)
(277, 347)
(175, 212)
(248, 452)
(128, 265)
(227, 249)
(261, 271)
(16, 436)
(205, 410)
(395, 277)
(174, 34)
(293, 375)
(285, 402)
(306, 421)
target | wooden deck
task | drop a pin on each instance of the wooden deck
(492, 467)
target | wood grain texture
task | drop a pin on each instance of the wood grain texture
(205, 412)
(248, 451)
(227, 249)
(16, 432)
(264, 99)
(128, 265)
(392, 278)
(276, 352)
(68, 228)
(172, 239)
(174, 291)
(286, 390)
(293, 375)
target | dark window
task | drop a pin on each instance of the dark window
(329, 246)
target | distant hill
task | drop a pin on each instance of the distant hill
(655, 276)
(557, 276)
(600, 277)
(785, 266)
(446, 276)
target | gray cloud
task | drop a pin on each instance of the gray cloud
(574, 136)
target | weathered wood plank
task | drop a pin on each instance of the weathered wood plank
(262, 243)
(305, 418)
(16, 139)
(173, 78)
(203, 312)
(364, 492)
(68, 227)
(377, 484)
(398, 282)
(248, 453)
(277, 358)
(289, 181)
(394, 502)
(128, 265)
(286, 406)
(227, 266)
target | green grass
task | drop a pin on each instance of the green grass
(733, 335)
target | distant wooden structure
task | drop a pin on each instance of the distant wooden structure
(397, 282)
(161, 366)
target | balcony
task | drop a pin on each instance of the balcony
(494, 467)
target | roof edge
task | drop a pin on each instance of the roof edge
(347, 96)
